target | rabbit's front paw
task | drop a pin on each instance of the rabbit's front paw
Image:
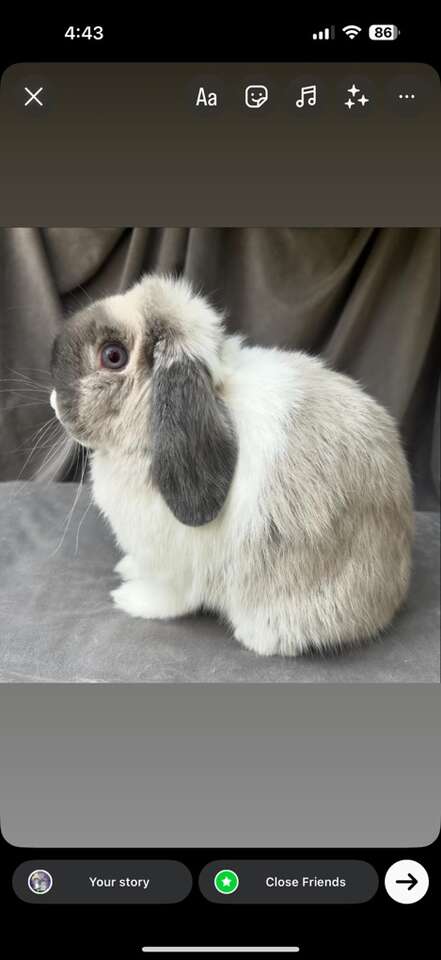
(139, 598)
(260, 640)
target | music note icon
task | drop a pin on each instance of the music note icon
(308, 94)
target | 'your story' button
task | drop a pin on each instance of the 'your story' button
(102, 881)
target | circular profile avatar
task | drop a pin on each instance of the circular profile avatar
(40, 881)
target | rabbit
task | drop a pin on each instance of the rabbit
(253, 482)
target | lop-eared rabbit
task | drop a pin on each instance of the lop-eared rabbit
(253, 482)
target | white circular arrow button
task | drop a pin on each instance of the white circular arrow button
(407, 881)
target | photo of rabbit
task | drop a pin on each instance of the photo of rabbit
(255, 483)
(219, 455)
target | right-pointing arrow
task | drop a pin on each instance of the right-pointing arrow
(411, 881)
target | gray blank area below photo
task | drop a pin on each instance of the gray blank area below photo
(58, 623)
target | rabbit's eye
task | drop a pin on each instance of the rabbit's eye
(113, 356)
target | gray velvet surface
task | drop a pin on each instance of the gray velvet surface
(57, 622)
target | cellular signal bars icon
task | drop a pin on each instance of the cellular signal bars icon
(328, 33)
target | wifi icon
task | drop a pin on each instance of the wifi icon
(351, 31)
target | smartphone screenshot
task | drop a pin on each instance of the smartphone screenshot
(220, 488)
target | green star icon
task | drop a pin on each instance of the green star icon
(226, 881)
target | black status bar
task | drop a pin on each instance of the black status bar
(328, 39)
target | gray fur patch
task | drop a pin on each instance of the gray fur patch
(67, 361)
(194, 447)
(74, 358)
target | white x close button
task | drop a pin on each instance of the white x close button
(34, 97)
(407, 881)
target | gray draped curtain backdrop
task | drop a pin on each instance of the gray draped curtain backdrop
(366, 299)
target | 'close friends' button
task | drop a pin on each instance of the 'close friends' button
(289, 881)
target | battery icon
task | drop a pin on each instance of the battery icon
(383, 31)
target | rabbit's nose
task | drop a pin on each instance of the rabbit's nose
(53, 401)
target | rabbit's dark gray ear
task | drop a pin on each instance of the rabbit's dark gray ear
(194, 446)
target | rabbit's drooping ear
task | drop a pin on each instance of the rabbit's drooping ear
(194, 447)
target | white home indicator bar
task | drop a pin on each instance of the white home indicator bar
(220, 949)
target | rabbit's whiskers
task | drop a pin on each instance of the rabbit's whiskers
(85, 458)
